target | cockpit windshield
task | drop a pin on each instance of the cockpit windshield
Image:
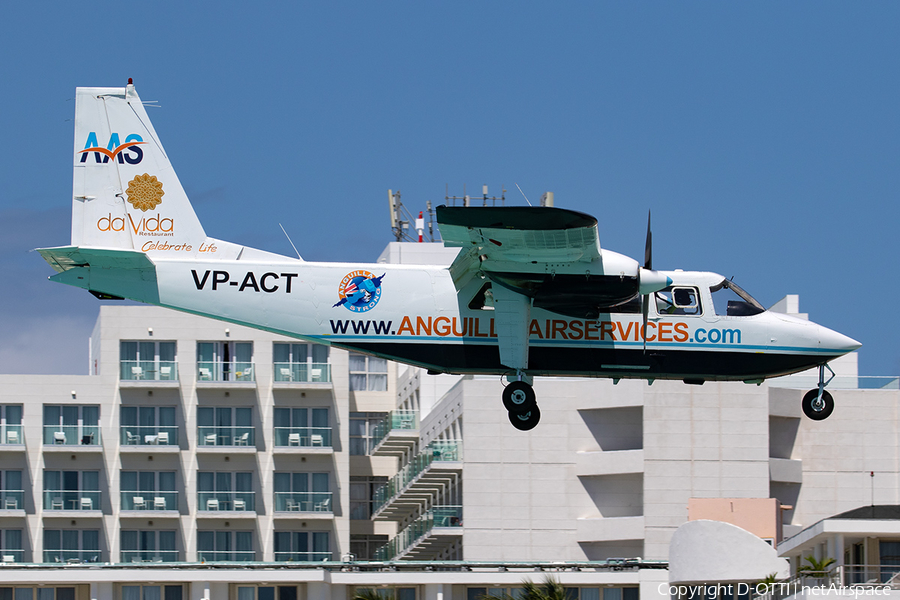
(729, 300)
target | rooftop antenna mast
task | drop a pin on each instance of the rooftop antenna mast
(467, 200)
(401, 220)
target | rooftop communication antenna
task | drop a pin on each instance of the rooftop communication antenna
(401, 219)
(467, 199)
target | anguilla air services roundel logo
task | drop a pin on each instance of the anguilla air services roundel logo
(359, 291)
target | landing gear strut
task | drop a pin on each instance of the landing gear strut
(519, 400)
(818, 403)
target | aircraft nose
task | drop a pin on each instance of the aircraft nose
(832, 340)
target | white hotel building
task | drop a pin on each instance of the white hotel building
(202, 460)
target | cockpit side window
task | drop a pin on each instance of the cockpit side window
(729, 300)
(678, 300)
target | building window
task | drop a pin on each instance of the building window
(362, 490)
(267, 592)
(302, 546)
(363, 547)
(302, 427)
(148, 425)
(148, 546)
(71, 425)
(148, 490)
(72, 490)
(225, 426)
(11, 549)
(362, 430)
(12, 495)
(367, 373)
(225, 491)
(37, 593)
(147, 360)
(225, 361)
(11, 424)
(301, 362)
(232, 546)
(71, 545)
(152, 592)
(302, 492)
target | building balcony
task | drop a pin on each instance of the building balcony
(232, 438)
(242, 503)
(426, 537)
(72, 500)
(8, 555)
(226, 555)
(67, 438)
(302, 556)
(301, 374)
(160, 373)
(785, 470)
(12, 438)
(420, 481)
(144, 501)
(71, 557)
(396, 434)
(148, 556)
(300, 440)
(301, 504)
(12, 503)
(232, 374)
(151, 438)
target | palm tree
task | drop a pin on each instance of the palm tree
(549, 590)
(368, 594)
(816, 568)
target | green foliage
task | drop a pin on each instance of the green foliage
(369, 594)
(816, 568)
(549, 590)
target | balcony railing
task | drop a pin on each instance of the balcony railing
(226, 436)
(439, 516)
(396, 420)
(302, 556)
(303, 437)
(72, 435)
(148, 500)
(226, 555)
(213, 501)
(153, 556)
(12, 556)
(71, 556)
(218, 371)
(148, 370)
(148, 435)
(71, 500)
(302, 372)
(303, 502)
(12, 499)
(437, 451)
(12, 434)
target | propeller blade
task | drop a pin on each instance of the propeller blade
(645, 310)
(648, 247)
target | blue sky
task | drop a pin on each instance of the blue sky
(764, 136)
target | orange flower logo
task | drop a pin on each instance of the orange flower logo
(145, 192)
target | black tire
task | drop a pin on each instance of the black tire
(811, 411)
(518, 396)
(525, 421)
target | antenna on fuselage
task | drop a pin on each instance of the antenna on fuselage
(289, 240)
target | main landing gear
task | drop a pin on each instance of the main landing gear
(519, 400)
(818, 403)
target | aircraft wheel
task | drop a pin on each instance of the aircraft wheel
(518, 396)
(817, 411)
(524, 421)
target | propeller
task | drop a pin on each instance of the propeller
(649, 281)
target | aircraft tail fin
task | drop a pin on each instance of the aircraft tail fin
(126, 194)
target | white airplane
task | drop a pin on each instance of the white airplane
(530, 293)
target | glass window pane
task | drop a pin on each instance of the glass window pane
(299, 417)
(152, 592)
(377, 383)
(320, 482)
(265, 593)
(320, 541)
(52, 414)
(612, 593)
(45, 593)
(282, 482)
(24, 593)
(287, 592)
(246, 593)
(90, 539)
(90, 481)
(243, 482)
(173, 592)
(167, 416)
(205, 541)
(319, 353)
(357, 362)
(590, 593)
(128, 481)
(167, 481)
(377, 365)
(282, 417)
(129, 540)
(357, 382)
(13, 540)
(14, 414)
(206, 352)
(281, 353)
(167, 351)
(243, 352)
(128, 415)
(205, 416)
(243, 541)
(242, 417)
(13, 480)
(131, 592)
(320, 417)
(206, 481)
(90, 415)
(167, 541)
(127, 350)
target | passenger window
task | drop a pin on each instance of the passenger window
(729, 300)
(678, 301)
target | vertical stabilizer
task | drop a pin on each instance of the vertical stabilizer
(125, 192)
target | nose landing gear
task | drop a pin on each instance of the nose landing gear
(817, 403)
(519, 400)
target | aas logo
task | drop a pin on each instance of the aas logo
(129, 151)
(359, 291)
